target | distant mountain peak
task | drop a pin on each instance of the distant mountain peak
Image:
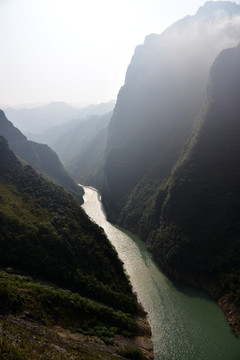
(59, 104)
(40, 156)
(212, 6)
(41, 118)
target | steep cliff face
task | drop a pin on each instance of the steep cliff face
(82, 147)
(87, 166)
(40, 156)
(164, 89)
(199, 227)
(75, 138)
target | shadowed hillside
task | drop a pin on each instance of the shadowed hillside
(164, 90)
(58, 269)
(40, 156)
(199, 225)
(172, 165)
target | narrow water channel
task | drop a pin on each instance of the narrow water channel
(186, 324)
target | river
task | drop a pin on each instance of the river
(186, 324)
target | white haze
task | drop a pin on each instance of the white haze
(187, 51)
(206, 41)
(73, 50)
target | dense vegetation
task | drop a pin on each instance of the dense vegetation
(71, 250)
(164, 90)
(52, 305)
(172, 165)
(40, 156)
(39, 321)
(199, 224)
(45, 234)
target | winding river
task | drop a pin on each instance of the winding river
(186, 324)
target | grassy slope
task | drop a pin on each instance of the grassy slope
(45, 234)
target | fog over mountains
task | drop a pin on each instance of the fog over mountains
(181, 214)
(58, 274)
(198, 224)
(41, 118)
(40, 156)
(164, 90)
(166, 156)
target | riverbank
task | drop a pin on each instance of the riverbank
(142, 342)
(29, 339)
(232, 313)
(185, 322)
(230, 310)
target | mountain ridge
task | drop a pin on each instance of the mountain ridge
(155, 126)
(199, 213)
(38, 119)
(58, 276)
(40, 156)
(165, 87)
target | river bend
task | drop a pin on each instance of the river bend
(186, 324)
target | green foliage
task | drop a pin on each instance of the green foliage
(140, 213)
(18, 344)
(131, 353)
(231, 284)
(10, 352)
(46, 235)
(40, 156)
(48, 305)
(58, 242)
(199, 231)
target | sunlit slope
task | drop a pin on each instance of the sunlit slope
(45, 233)
(58, 269)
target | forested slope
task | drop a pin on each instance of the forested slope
(71, 250)
(46, 238)
(40, 156)
(199, 229)
(164, 90)
(172, 156)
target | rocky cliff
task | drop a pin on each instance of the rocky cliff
(164, 90)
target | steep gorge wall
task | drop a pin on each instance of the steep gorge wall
(164, 90)
(198, 229)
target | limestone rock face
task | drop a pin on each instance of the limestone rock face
(165, 87)
(199, 228)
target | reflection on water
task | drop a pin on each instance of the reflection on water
(186, 324)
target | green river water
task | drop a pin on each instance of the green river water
(186, 324)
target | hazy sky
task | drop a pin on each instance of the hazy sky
(73, 50)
